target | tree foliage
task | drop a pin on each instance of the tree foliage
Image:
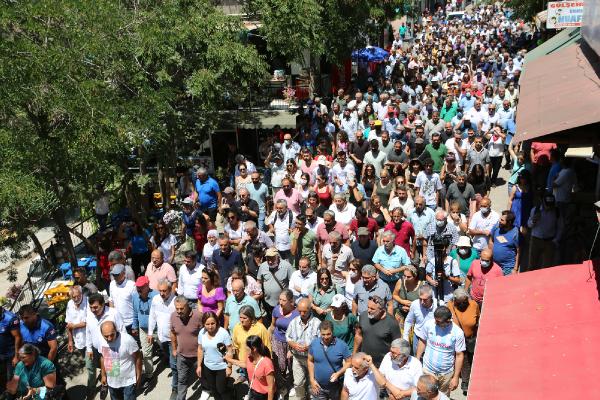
(527, 9)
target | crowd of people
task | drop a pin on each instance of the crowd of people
(349, 263)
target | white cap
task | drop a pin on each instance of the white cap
(338, 300)
(463, 241)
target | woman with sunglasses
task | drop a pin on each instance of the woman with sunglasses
(214, 343)
(369, 180)
(234, 228)
(164, 241)
(211, 296)
(322, 294)
(243, 179)
(292, 171)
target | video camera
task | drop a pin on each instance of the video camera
(440, 245)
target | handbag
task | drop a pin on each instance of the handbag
(247, 396)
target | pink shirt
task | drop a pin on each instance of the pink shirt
(293, 200)
(541, 152)
(479, 278)
(323, 233)
(155, 275)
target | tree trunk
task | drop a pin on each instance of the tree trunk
(162, 184)
(88, 243)
(38, 248)
(60, 220)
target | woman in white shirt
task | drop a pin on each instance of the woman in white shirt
(352, 279)
(164, 241)
(303, 186)
(496, 151)
(234, 227)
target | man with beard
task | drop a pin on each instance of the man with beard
(374, 157)
(357, 150)
(428, 389)
(402, 229)
(477, 154)
(402, 200)
(385, 144)
(274, 275)
(437, 151)
(435, 124)
(363, 248)
(376, 330)
(461, 192)
(397, 160)
(292, 197)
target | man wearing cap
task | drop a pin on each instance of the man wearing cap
(207, 193)
(190, 275)
(121, 295)
(274, 275)
(142, 300)
(117, 257)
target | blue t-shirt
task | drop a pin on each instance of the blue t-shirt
(282, 323)
(337, 352)
(442, 346)
(506, 244)
(40, 335)
(213, 359)
(8, 324)
(207, 193)
(139, 245)
(259, 195)
(189, 220)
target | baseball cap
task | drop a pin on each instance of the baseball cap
(463, 241)
(377, 122)
(188, 202)
(117, 269)
(271, 252)
(142, 281)
(338, 300)
(363, 231)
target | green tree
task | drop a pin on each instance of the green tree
(527, 9)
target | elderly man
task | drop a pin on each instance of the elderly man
(389, 259)
(401, 370)
(281, 222)
(99, 312)
(363, 247)
(120, 362)
(75, 317)
(225, 259)
(190, 276)
(161, 308)
(376, 330)
(428, 389)
(252, 236)
(303, 280)
(235, 302)
(121, 295)
(370, 285)
(443, 346)
(328, 359)
(186, 323)
(158, 270)
(117, 257)
(420, 311)
(329, 225)
(479, 273)
(482, 223)
(274, 275)
(289, 148)
(247, 209)
(336, 258)
(290, 195)
(441, 229)
(343, 211)
(299, 335)
(362, 380)
(304, 242)
(207, 193)
(141, 310)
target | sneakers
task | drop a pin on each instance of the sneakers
(103, 392)
(205, 395)
(173, 394)
(292, 392)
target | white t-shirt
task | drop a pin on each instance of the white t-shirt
(345, 215)
(363, 389)
(496, 147)
(377, 161)
(282, 227)
(428, 186)
(234, 234)
(403, 377)
(304, 283)
(119, 360)
(165, 246)
(479, 222)
(122, 298)
(463, 146)
(76, 315)
(408, 206)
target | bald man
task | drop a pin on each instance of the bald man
(120, 362)
(158, 270)
(362, 380)
(480, 272)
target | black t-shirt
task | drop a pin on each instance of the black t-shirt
(364, 255)
(359, 150)
(252, 205)
(378, 336)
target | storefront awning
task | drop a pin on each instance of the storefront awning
(563, 39)
(539, 336)
(559, 92)
(257, 119)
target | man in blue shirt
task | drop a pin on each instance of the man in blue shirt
(38, 332)
(10, 343)
(225, 259)
(389, 259)
(141, 310)
(467, 101)
(328, 359)
(207, 193)
(504, 243)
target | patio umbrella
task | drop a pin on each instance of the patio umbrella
(370, 54)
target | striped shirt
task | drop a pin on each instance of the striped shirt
(442, 346)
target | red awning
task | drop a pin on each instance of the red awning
(539, 336)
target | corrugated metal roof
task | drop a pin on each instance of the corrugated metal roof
(558, 92)
(563, 39)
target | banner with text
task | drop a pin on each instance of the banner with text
(564, 14)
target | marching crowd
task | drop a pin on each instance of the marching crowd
(350, 263)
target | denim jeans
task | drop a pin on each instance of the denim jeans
(186, 373)
(167, 356)
(90, 366)
(123, 393)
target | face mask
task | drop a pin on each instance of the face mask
(440, 224)
(352, 274)
(288, 142)
(468, 95)
(485, 263)
(303, 182)
(484, 210)
(463, 251)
